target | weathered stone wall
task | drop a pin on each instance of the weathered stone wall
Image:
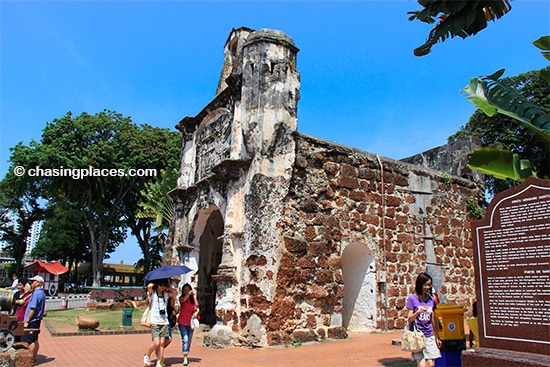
(336, 198)
(294, 238)
(451, 158)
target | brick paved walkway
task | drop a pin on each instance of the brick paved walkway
(127, 350)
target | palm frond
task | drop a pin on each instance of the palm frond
(156, 204)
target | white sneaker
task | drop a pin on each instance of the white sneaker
(146, 361)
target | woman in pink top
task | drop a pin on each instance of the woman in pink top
(23, 302)
(188, 308)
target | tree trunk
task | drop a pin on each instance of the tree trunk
(141, 229)
(96, 275)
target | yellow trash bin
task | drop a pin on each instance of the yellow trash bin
(450, 319)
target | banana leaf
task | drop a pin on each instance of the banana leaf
(501, 164)
(462, 18)
(491, 96)
(543, 43)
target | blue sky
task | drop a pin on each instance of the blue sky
(158, 61)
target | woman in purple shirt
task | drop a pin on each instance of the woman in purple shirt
(421, 308)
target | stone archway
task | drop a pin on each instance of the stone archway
(358, 269)
(210, 255)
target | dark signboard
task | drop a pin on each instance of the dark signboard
(512, 264)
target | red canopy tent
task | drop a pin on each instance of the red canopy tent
(50, 272)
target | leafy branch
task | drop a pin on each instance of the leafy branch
(462, 18)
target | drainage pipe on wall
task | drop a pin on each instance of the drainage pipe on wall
(385, 274)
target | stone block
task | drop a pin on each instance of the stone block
(220, 337)
(348, 182)
(253, 333)
(331, 168)
(337, 332)
(86, 322)
(278, 338)
(317, 248)
(304, 336)
(295, 245)
(16, 358)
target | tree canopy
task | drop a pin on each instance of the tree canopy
(93, 167)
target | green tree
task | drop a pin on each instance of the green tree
(64, 237)
(502, 131)
(16, 220)
(462, 18)
(19, 209)
(108, 148)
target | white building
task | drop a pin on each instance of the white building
(34, 235)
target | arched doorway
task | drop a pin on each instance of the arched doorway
(358, 269)
(210, 256)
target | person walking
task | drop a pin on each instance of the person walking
(172, 321)
(189, 308)
(34, 313)
(157, 298)
(421, 306)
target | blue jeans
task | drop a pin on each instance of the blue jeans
(186, 338)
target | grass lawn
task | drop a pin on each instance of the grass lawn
(64, 320)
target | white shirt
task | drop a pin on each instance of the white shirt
(157, 304)
(14, 285)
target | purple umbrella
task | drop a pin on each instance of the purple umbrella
(166, 272)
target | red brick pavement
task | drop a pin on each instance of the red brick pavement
(127, 350)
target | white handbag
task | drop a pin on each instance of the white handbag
(413, 341)
(194, 322)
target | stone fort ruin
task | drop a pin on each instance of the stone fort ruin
(294, 238)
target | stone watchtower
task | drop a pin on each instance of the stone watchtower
(236, 165)
(294, 238)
